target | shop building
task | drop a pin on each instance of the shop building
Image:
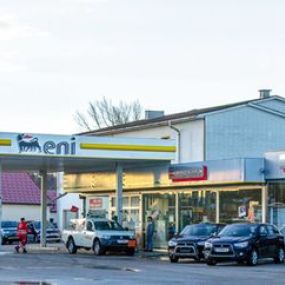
(220, 173)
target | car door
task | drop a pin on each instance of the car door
(262, 243)
(272, 241)
(88, 234)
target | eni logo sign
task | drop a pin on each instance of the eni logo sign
(29, 143)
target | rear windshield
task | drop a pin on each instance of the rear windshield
(8, 224)
(199, 230)
(107, 226)
(238, 231)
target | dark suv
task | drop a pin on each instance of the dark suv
(190, 242)
(245, 243)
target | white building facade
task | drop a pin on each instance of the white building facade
(229, 136)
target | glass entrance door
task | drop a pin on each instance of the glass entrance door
(161, 207)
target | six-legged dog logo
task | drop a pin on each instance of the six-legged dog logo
(27, 143)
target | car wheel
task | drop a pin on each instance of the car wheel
(253, 258)
(280, 256)
(173, 259)
(71, 247)
(211, 262)
(97, 248)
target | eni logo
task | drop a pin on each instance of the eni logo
(28, 143)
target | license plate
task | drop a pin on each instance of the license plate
(222, 249)
(122, 241)
(132, 243)
(185, 250)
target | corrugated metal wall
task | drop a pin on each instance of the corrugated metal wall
(243, 132)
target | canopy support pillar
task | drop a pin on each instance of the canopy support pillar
(44, 186)
(119, 193)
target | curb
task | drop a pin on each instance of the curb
(155, 254)
(43, 249)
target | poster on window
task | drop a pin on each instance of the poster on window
(95, 203)
(242, 211)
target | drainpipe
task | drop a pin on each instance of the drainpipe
(178, 140)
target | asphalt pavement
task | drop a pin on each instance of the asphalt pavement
(55, 266)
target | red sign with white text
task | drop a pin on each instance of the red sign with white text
(95, 203)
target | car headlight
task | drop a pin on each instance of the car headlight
(208, 244)
(106, 237)
(172, 243)
(241, 244)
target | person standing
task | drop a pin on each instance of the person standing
(22, 232)
(149, 234)
(171, 231)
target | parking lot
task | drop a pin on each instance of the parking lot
(54, 266)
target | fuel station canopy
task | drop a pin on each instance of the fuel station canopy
(74, 154)
(79, 154)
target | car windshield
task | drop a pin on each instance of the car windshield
(238, 231)
(199, 230)
(9, 224)
(107, 226)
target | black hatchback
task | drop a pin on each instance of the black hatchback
(190, 242)
(245, 243)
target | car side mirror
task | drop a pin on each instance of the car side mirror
(215, 234)
(126, 228)
(263, 234)
(176, 235)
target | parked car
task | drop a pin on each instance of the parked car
(100, 235)
(190, 242)
(9, 232)
(245, 243)
(34, 235)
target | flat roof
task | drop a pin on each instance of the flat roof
(79, 154)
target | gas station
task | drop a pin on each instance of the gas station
(45, 153)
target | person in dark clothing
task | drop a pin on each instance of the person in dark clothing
(149, 234)
(171, 231)
(32, 231)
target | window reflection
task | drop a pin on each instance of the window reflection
(196, 207)
(240, 206)
(276, 204)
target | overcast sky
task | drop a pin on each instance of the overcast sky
(175, 55)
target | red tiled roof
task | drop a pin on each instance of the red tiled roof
(19, 188)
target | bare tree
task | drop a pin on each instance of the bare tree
(103, 113)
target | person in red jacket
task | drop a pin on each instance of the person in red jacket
(22, 232)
